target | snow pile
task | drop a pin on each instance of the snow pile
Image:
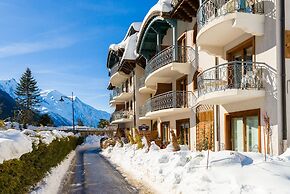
(46, 136)
(286, 155)
(186, 171)
(13, 144)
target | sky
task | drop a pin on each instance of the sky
(65, 42)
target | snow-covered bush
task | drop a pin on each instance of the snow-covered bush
(21, 174)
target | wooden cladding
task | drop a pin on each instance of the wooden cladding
(205, 128)
(287, 44)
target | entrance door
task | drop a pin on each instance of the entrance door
(182, 128)
(237, 134)
(244, 131)
(252, 133)
(165, 132)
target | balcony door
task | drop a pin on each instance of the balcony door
(242, 57)
(181, 91)
(243, 131)
(182, 48)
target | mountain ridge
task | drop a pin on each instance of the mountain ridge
(60, 112)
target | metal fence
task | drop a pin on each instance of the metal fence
(123, 114)
(167, 100)
(231, 75)
(211, 9)
(184, 54)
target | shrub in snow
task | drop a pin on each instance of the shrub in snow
(129, 137)
(138, 140)
(21, 174)
(108, 142)
(175, 144)
(154, 147)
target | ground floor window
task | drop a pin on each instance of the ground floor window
(183, 131)
(205, 127)
(243, 131)
(165, 132)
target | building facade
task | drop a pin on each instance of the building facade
(206, 70)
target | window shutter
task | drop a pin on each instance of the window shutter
(287, 44)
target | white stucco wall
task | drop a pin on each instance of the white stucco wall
(140, 98)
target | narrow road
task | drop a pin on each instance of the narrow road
(92, 174)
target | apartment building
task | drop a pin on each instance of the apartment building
(208, 71)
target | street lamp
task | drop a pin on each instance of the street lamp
(73, 109)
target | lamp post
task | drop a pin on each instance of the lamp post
(72, 104)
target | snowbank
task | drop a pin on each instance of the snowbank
(185, 171)
(14, 143)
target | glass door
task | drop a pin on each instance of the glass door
(237, 134)
(252, 125)
(243, 55)
(243, 131)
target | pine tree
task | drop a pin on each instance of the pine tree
(103, 123)
(45, 120)
(28, 95)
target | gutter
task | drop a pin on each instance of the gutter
(281, 70)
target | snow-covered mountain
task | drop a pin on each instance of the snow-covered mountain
(61, 111)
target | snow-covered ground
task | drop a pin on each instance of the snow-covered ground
(15, 143)
(93, 140)
(52, 182)
(186, 171)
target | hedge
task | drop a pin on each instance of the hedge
(20, 175)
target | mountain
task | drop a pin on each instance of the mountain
(61, 111)
(7, 105)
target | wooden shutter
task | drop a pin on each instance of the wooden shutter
(287, 44)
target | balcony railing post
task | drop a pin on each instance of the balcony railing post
(174, 96)
(174, 40)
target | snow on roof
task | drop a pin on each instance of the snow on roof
(131, 43)
(136, 26)
(162, 6)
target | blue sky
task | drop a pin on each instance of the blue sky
(65, 42)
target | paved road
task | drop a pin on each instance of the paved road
(92, 174)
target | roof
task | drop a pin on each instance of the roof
(159, 9)
(134, 27)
